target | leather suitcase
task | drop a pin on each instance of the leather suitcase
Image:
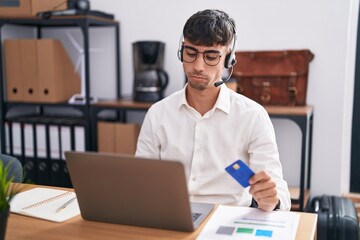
(273, 77)
(337, 218)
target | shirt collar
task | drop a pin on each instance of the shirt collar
(182, 100)
(222, 103)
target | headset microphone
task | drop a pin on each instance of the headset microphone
(218, 83)
(224, 80)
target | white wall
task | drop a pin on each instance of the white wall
(327, 28)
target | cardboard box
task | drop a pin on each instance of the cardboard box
(117, 137)
(106, 137)
(41, 69)
(26, 8)
(126, 137)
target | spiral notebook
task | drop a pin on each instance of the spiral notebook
(46, 203)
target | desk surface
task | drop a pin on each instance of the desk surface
(272, 110)
(22, 227)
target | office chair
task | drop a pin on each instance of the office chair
(15, 167)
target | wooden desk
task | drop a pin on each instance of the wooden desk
(22, 227)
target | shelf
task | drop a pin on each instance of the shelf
(123, 104)
(58, 21)
(66, 123)
(287, 111)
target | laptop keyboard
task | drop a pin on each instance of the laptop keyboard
(195, 216)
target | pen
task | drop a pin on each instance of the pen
(65, 204)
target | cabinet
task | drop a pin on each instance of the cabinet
(26, 121)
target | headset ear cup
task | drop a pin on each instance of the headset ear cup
(180, 53)
(227, 63)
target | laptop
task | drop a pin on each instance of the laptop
(123, 189)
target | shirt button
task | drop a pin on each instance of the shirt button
(194, 178)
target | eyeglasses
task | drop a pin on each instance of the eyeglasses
(211, 57)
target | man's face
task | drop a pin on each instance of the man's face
(199, 73)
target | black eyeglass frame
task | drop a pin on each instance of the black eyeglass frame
(203, 53)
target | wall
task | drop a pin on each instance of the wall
(327, 28)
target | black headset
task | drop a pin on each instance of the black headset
(230, 58)
(73, 8)
(79, 4)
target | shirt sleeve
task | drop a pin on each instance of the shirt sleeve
(147, 145)
(264, 155)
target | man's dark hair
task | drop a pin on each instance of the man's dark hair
(209, 27)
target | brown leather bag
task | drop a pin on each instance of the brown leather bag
(273, 77)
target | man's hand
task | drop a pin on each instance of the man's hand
(263, 190)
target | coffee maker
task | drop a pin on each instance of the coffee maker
(150, 79)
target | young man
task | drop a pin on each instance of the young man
(206, 126)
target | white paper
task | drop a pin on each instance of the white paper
(229, 222)
(43, 203)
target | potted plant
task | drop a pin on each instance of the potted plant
(7, 192)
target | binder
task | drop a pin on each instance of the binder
(29, 139)
(66, 146)
(73, 138)
(56, 173)
(29, 68)
(43, 164)
(66, 177)
(7, 138)
(30, 170)
(16, 138)
(79, 138)
(54, 135)
(39, 70)
(65, 140)
(60, 141)
(40, 140)
(58, 80)
(30, 157)
(13, 70)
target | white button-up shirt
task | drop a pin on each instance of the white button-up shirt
(235, 128)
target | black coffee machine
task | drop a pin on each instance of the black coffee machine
(150, 78)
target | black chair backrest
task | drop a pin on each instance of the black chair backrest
(15, 167)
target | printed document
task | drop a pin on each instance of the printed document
(231, 222)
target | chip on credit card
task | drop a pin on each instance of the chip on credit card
(241, 172)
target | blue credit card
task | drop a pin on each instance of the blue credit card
(240, 172)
